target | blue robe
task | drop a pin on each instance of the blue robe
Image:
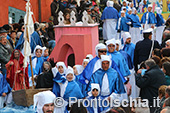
(127, 58)
(88, 71)
(35, 40)
(109, 13)
(72, 89)
(160, 20)
(45, 58)
(134, 19)
(4, 86)
(123, 24)
(99, 108)
(129, 49)
(151, 18)
(82, 86)
(58, 76)
(115, 82)
(120, 61)
(56, 87)
(29, 71)
(39, 64)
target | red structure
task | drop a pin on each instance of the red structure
(20, 4)
(76, 41)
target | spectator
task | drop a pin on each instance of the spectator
(161, 93)
(4, 51)
(166, 70)
(13, 41)
(67, 18)
(165, 52)
(150, 82)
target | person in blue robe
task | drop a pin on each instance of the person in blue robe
(67, 87)
(148, 19)
(109, 18)
(135, 29)
(124, 54)
(95, 96)
(117, 57)
(159, 25)
(108, 79)
(61, 67)
(35, 40)
(77, 71)
(122, 24)
(30, 75)
(95, 64)
(129, 47)
(4, 89)
(45, 53)
(37, 59)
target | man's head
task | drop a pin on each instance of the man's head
(130, 11)
(148, 33)
(95, 89)
(122, 13)
(109, 3)
(13, 34)
(167, 44)
(100, 50)
(149, 8)
(48, 108)
(118, 45)
(134, 11)
(44, 102)
(149, 63)
(167, 92)
(106, 62)
(3, 40)
(3, 32)
(124, 3)
(111, 45)
(126, 37)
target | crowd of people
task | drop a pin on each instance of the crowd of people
(133, 62)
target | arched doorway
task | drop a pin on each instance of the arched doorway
(71, 60)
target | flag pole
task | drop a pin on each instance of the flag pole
(27, 36)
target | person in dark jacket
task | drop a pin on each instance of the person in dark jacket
(143, 48)
(4, 51)
(150, 82)
(45, 79)
(56, 7)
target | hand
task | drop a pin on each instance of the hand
(118, 31)
(11, 63)
(3, 94)
(152, 27)
(109, 98)
(129, 89)
(18, 71)
(139, 71)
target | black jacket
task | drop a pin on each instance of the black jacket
(150, 83)
(142, 50)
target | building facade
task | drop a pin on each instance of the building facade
(12, 10)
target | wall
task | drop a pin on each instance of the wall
(20, 4)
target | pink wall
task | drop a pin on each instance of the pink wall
(80, 40)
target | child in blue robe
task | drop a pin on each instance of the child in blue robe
(94, 97)
(67, 87)
(37, 59)
(4, 89)
(61, 67)
(45, 53)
